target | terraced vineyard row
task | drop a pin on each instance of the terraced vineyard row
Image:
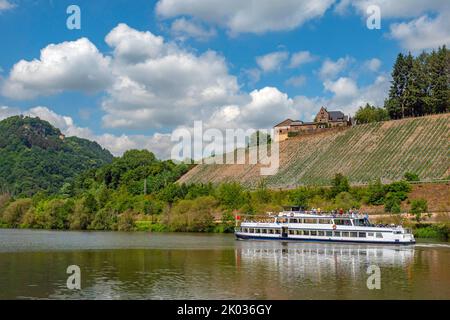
(363, 153)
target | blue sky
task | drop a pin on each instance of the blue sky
(136, 70)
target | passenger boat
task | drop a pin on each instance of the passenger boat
(297, 225)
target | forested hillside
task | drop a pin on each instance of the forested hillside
(35, 156)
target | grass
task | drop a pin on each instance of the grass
(148, 226)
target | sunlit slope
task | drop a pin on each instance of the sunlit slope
(363, 153)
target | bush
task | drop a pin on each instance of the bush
(126, 221)
(231, 195)
(81, 217)
(401, 187)
(392, 203)
(299, 197)
(419, 206)
(104, 219)
(192, 215)
(376, 193)
(339, 184)
(435, 231)
(368, 114)
(14, 212)
(409, 176)
(345, 201)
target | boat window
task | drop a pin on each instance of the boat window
(299, 232)
(258, 230)
(314, 233)
(324, 221)
(278, 231)
(337, 233)
(293, 221)
(264, 230)
(342, 222)
(306, 232)
(252, 230)
(329, 233)
(320, 233)
(271, 231)
(354, 234)
(291, 231)
(345, 234)
(301, 220)
(310, 220)
(379, 235)
(362, 234)
(370, 234)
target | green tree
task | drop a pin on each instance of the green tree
(262, 193)
(299, 197)
(439, 66)
(15, 211)
(339, 184)
(392, 203)
(419, 206)
(376, 193)
(231, 195)
(345, 201)
(368, 114)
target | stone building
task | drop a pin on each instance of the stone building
(324, 119)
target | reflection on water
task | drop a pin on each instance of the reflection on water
(179, 266)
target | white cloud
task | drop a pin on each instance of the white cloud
(296, 81)
(343, 87)
(373, 64)
(395, 9)
(75, 65)
(428, 29)
(252, 75)
(6, 5)
(138, 47)
(168, 87)
(263, 108)
(183, 29)
(423, 33)
(272, 61)
(301, 57)
(348, 96)
(247, 16)
(331, 69)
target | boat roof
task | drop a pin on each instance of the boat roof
(312, 214)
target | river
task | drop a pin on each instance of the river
(119, 265)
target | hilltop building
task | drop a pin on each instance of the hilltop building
(324, 119)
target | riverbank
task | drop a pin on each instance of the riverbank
(432, 231)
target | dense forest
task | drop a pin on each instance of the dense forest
(35, 156)
(419, 86)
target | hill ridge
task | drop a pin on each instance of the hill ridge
(35, 156)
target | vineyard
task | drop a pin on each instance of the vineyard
(364, 153)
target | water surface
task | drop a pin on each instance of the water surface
(116, 265)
